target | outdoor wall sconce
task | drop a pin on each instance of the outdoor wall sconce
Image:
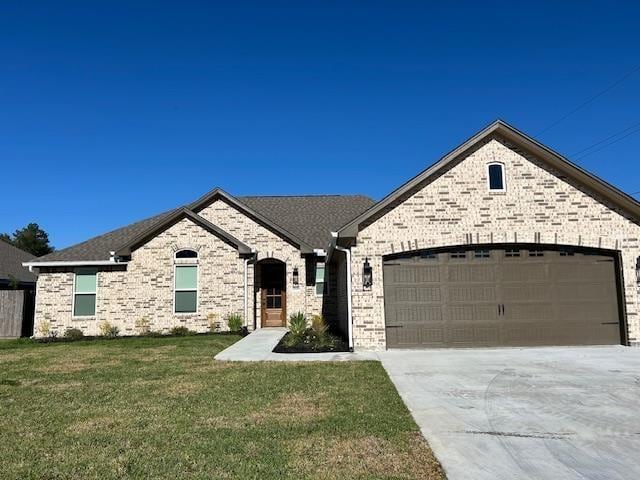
(367, 275)
(296, 278)
(638, 270)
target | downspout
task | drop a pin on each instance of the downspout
(347, 252)
(246, 292)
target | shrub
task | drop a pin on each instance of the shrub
(153, 334)
(214, 324)
(319, 325)
(297, 324)
(108, 330)
(181, 331)
(234, 322)
(143, 326)
(44, 328)
(73, 334)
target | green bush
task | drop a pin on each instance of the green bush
(181, 331)
(319, 325)
(234, 322)
(108, 330)
(297, 325)
(153, 334)
(73, 334)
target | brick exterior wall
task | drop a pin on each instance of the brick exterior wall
(537, 207)
(145, 288)
(268, 245)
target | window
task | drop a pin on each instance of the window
(319, 279)
(482, 254)
(458, 255)
(495, 174)
(186, 282)
(187, 254)
(566, 253)
(84, 294)
(428, 255)
(511, 252)
(536, 253)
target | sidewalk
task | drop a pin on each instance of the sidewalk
(258, 346)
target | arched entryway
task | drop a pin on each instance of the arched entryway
(271, 292)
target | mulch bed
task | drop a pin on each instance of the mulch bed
(339, 346)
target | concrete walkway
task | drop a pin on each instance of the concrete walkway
(532, 413)
(258, 346)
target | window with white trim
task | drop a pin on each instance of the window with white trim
(320, 281)
(84, 294)
(186, 282)
(495, 177)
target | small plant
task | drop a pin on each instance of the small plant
(44, 328)
(297, 324)
(214, 323)
(73, 334)
(181, 331)
(153, 334)
(234, 322)
(142, 326)
(108, 330)
(319, 325)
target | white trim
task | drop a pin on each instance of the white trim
(197, 289)
(80, 263)
(73, 299)
(246, 292)
(504, 179)
(320, 252)
(324, 279)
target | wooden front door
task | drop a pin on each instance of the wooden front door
(273, 307)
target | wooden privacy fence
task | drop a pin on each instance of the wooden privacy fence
(11, 312)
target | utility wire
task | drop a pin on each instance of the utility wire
(608, 144)
(606, 139)
(596, 96)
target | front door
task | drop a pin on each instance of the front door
(273, 307)
(273, 299)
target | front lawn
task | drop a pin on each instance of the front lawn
(163, 408)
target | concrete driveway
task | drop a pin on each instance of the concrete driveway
(539, 413)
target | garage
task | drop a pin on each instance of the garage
(515, 295)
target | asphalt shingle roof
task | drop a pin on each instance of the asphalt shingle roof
(310, 218)
(11, 259)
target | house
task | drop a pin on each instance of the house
(17, 292)
(501, 242)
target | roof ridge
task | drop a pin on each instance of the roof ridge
(306, 195)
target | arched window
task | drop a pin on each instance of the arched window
(186, 254)
(496, 177)
(186, 282)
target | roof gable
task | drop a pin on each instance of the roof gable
(605, 192)
(219, 194)
(169, 221)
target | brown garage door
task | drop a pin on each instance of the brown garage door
(501, 297)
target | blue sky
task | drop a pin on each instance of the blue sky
(111, 112)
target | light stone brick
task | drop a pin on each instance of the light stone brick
(457, 206)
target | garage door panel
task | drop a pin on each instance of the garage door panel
(543, 298)
(472, 293)
(472, 273)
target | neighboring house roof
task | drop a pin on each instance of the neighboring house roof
(11, 259)
(606, 192)
(305, 220)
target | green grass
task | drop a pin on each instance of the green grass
(163, 408)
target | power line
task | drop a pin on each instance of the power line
(605, 139)
(608, 144)
(596, 96)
